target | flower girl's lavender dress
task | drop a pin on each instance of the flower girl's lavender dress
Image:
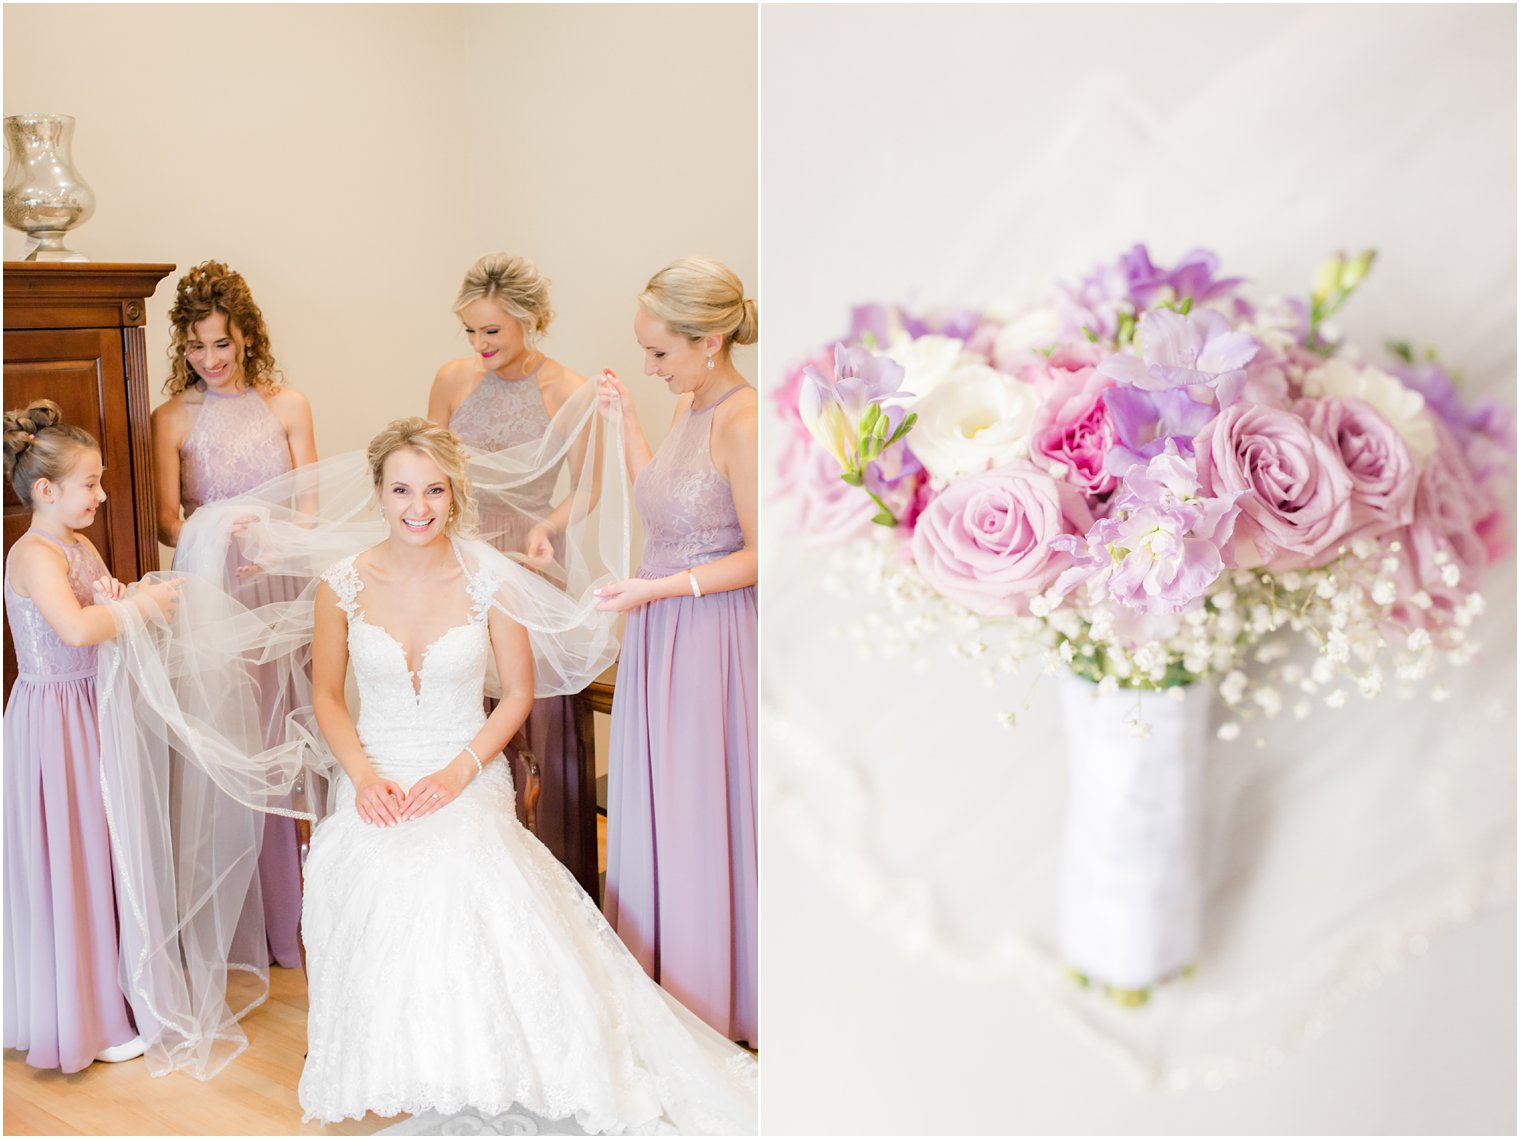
(682, 879)
(63, 1001)
(235, 444)
(505, 413)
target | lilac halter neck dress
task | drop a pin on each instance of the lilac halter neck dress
(504, 413)
(235, 444)
(682, 874)
(63, 998)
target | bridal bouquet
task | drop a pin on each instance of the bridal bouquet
(1143, 481)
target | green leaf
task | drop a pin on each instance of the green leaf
(1401, 349)
(852, 477)
(882, 518)
(1090, 334)
(1186, 306)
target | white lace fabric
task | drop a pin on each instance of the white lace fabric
(454, 964)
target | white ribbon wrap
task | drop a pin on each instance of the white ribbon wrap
(1131, 880)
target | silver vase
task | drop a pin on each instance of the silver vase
(44, 195)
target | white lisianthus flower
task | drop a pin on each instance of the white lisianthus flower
(975, 419)
(1401, 406)
(1037, 328)
(925, 361)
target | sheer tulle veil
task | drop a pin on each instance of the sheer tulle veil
(208, 715)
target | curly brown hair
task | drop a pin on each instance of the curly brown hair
(209, 288)
(39, 445)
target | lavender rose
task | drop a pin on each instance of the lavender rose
(1383, 472)
(1299, 506)
(1443, 549)
(985, 541)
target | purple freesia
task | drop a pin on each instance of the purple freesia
(1195, 351)
(1161, 548)
(958, 324)
(832, 408)
(875, 320)
(1146, 422)
(860, 378)
(1134, 283)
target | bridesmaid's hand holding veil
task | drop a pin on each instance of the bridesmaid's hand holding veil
(611, 393)
(538, 547)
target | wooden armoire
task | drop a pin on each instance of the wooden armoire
(74, 334)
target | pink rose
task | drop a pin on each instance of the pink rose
(1072, 426)
(1383, 472)
(985, 541)
(828, 509)
(1297, 505)
(1450, 515)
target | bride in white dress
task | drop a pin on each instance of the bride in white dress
(453, 962)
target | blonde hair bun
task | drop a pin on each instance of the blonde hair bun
(516, 285)
(701, 296)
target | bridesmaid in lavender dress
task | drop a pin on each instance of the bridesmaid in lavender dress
(228, 427)
(682, 879)
(63, 999)
(503, 395)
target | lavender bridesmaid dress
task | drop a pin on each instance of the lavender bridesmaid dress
(63, 1001)
(503, 413)
(682, 878)
(235, 444)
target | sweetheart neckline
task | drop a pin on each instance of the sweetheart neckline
(421, 668)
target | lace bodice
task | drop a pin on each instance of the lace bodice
(686, 505)
(235, 444)
(504, 413)
(411, 724)
(40, 652)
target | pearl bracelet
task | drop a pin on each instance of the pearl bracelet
(696, 590)
(479, 767)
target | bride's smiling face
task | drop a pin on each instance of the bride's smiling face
(415, 496)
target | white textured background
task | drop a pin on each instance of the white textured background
(977, 155)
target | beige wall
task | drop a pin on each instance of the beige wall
(352, 160)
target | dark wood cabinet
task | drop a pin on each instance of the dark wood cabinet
(74, 334)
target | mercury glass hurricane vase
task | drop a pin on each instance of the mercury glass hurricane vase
(44, 195)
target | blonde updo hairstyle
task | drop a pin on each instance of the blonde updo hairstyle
(209, 288)
(700, 296)
(517, 287)
(443, 447)
(39, 445)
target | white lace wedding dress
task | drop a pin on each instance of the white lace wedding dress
(454, 964)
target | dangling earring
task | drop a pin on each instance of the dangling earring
(709, 362)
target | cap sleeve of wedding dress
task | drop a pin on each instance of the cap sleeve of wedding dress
(344, 581)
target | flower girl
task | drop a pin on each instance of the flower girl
(63, 1001)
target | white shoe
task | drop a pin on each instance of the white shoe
(131, 1050)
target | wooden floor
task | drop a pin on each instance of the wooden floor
(254, 1095)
